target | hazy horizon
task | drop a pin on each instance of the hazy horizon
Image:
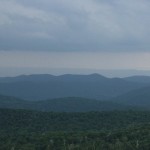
(13, 72)
(74, 37)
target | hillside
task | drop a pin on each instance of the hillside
(138, 79)
(13, 102)
(71, 104)
(139, 97)
(40, 87)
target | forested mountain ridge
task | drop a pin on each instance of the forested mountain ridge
(70, 104)
(139, 97)
(40, 87)
(136, 96)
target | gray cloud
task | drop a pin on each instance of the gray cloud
(64, 25)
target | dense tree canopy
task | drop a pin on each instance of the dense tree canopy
(116, 130)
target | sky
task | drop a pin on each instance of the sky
(80, 35)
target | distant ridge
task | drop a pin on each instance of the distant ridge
(140, 79)
(49, 77)
(33, 77)
(70, 104)
(45, 86)
(139, 97)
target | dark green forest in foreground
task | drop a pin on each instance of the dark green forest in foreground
(115, 130)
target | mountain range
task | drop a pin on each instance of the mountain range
(75, 93)
(41, 87)
(70, 104)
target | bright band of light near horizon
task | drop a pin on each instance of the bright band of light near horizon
(87, 60)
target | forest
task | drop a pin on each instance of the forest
(33, 130)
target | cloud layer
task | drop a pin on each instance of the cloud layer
(80, 25)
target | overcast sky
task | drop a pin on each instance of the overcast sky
(93, 34)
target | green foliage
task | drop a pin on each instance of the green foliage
(52, 121)
(116, 130)
(133, 138)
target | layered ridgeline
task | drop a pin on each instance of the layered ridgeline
(135, 93)
(70, 104)
(40, 87)
(139, 98)
(116, 123)
(136, 100)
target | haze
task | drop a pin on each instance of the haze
(85, 36)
